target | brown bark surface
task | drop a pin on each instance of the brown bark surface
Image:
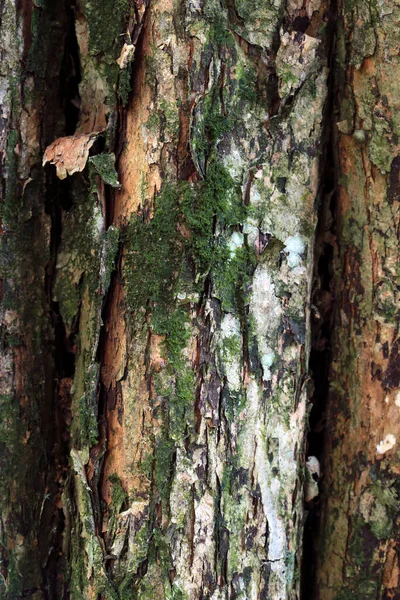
(359, 552)
(196, 196)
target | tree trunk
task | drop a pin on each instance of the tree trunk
(198, 231)
(358, 556)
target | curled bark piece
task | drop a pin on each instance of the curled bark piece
(69, 154)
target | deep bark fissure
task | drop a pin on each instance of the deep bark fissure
(106, 399)
(58, 202)
(71, 76)
(322, 314)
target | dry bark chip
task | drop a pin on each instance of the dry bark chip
(126, 56)
(69, 154)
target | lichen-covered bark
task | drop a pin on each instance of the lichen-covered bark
(205, 347)
(156, 297)
(358, 556)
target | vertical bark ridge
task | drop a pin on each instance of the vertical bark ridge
(357, 552)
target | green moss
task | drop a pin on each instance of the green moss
(259, 20)
(118, 498)
(156, 583)
(380, 148)
(383, 515)
(140, 550)
(362, 590)
(214, 202)
(67, 293)
(218, 34)
(79, 255)
(153, 123)
(361, 545)
(106, 19)
(174, 327)
(176, 594)
(154, 251)
(109, 591)
(11, 205)
(78, 578)
(271, 254)
(85, 429)
(124, 84)
(177, 384)
(288, 80)
(158, 253)
(386, 495)
(165, 119)
(160, 551)
(164, 466)
(210, 124)
(247, 83)
(232, 346)
(233, 276)
(171, 117)
(235, 403)
(109, 250)
(118, 494)
(185, 241)
(151, 66)
(104, 165)
(382, 529)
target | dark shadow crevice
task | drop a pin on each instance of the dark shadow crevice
(62, 107)
(322, 315)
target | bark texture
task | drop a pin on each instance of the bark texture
(157, 268)
(358, 556)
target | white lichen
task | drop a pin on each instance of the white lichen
(267, 361)
(235, 241)
(230, 341)
(266, 311)
(294, 246)
(386, 444)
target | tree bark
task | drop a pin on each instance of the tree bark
(359, 552)
(197, 197)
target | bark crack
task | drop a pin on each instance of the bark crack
(323, 309)
(53, 518)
